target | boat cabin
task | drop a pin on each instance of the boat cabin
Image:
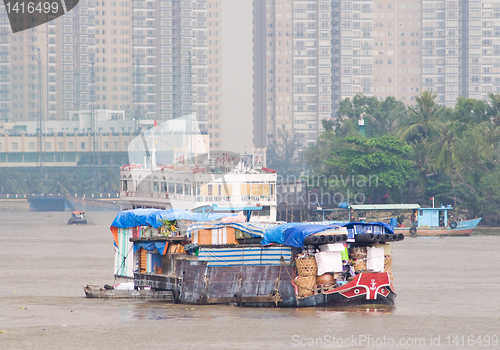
(432, 217)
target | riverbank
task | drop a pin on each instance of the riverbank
(18, 204)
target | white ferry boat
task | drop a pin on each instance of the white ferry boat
(189, 177)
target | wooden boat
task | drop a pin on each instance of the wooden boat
(252, 264)
(435, 221)
(77, 218)
(93, 291)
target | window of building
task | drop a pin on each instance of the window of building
(106, 146)
(15, 146)
(70, 145)
(31, 145)
(83, 145)
(60, 145)
(48, 145)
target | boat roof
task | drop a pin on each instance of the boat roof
(154, 217)
(78, 212)
(385, 206)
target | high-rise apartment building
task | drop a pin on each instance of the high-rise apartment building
(339, 48)
(397, 47)
(482, 53)
(308, 55)
(153, 59)
(293, 68)
(460, 49)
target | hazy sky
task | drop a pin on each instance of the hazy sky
(237, 76)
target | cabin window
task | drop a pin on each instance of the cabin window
(421, 212)
(210, 190)
(171, 187)
(179, 189)
(187, 189)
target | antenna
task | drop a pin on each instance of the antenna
(93, 121)
(41, 124)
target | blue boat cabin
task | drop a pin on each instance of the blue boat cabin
(433, 217)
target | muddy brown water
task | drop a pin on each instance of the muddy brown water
(448, 295)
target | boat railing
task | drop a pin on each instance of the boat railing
(198, 198)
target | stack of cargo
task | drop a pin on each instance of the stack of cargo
(365, 251)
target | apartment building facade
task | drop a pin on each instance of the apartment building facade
(316, 53)
(152, 59)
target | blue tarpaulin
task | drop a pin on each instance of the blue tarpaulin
(356, 228)
(150, 246)
(290, 234)
(293, 234)
(153, 217)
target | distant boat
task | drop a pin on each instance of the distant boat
(77, 218)
(438, 222)
(435, 221)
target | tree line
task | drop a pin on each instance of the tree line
(414, 152)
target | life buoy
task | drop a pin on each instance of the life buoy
(413, 231)
(453, 224)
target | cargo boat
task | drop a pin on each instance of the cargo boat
(194, 258)
(435, 221)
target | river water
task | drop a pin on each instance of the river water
(448, 297)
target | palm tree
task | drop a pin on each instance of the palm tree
(4, 179)
(34, 183)
(421, 166)
(494, 108)
(282, 155)
(445, 152)
(110, 180)
(62, 183)
(425, 115)
(387, 118)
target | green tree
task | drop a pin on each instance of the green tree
(386, 118)
(372, 166)
(422, 118)
(282, 155)
(34, 183)
(469, 111)
(62, 183)
(494, 108)
(110, 180)
(445, 153)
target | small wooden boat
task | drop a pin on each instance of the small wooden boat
(93, 291)
(435, 221)
(77, 218)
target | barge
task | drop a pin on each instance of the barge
(195, 258)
